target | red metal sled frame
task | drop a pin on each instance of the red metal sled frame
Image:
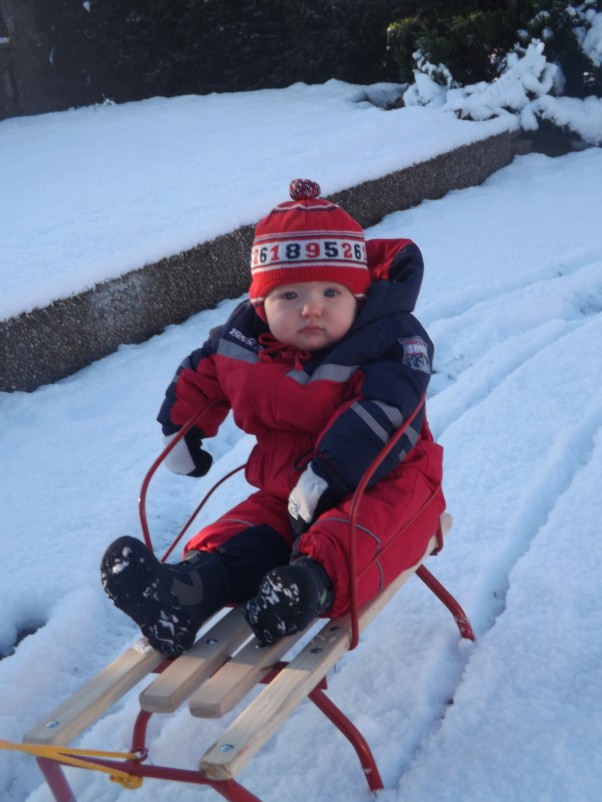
(231, 790)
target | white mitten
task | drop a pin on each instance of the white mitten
(187, 457)
(304, 500)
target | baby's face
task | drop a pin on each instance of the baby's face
(311, 314)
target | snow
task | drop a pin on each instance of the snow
(592, 41)
(526, 86)
(512, 297)
(96, 192)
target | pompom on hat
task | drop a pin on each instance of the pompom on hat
(307, 239)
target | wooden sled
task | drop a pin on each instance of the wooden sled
(215, 676)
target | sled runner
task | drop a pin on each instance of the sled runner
(216, 675)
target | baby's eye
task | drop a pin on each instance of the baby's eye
(289, 295)
(331, 292)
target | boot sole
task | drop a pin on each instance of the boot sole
(138, 584)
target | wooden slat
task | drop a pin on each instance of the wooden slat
(266, 713)
(183, 677)
(229, 686)
(74, 715)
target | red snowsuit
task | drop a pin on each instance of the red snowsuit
(337, 408)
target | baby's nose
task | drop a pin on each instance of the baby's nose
(312, 308)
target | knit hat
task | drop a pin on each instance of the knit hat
(307, 239)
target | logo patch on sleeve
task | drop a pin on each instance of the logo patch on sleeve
(250, 342)
(416, 354)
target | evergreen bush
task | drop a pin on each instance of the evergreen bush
(472, 39)
(140, 48)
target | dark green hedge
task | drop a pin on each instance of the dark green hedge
(472, 38)
(140, 48)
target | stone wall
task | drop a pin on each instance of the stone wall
(48, 344)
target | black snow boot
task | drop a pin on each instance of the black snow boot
(168, 602)
(289, 599)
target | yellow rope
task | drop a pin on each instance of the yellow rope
(65, 754)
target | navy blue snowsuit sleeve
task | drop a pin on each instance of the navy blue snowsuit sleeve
(392, 388)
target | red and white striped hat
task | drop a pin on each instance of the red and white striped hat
(307, 239)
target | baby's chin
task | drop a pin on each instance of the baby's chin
(313, 341)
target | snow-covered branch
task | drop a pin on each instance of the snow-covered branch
(529, 87)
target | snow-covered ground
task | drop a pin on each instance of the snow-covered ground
(513, 300)
(92, 193)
